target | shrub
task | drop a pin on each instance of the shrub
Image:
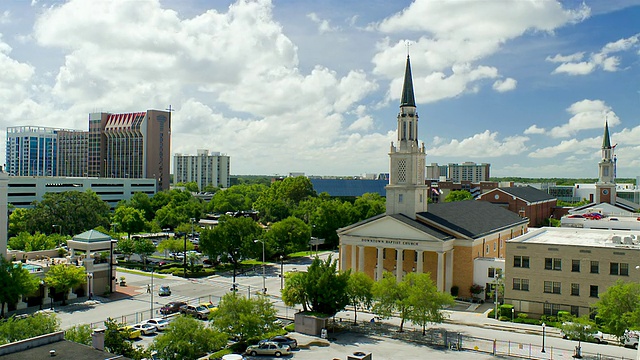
(504, 318)
(454, 290)
(505, 310)
(522, 316)
(290, 328)
(491, 314)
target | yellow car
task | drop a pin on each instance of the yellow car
(209, 306)
(133, 332)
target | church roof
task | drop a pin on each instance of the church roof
(470, 218)
(92, 236)
(422, 227)
(407, 88)
(527, 193)
(606, 142)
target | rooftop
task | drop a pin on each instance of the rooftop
(581, 237)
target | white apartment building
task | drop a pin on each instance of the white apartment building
(204, 169)
(467, 171)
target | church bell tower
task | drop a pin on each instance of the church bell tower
(606, 185)
(406, 191)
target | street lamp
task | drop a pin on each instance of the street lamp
(89, 281)
(513, 312)
(151, 312)
(41, 293)
(264, 278)
(543, 333)
(281, 273)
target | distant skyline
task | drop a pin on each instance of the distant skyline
(314, 87)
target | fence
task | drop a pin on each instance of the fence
(442, 338)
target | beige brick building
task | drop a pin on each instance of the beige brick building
(566, 269)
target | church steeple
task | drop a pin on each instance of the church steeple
(606, 142)
(407, 192)
(407, 88)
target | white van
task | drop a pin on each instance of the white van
(630, 339)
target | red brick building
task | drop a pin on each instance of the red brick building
(525, 201)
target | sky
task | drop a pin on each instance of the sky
(311, 86)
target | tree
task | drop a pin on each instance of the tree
(288, 236)
(126, 246)
(425, 302)
(193, 258)
(80, 334)
(244, 318)
(330, 215)
(15, 329)
(116, 341)
(142, 202)
(18, 221)
(64, 277)
(73, 211)
(281, 197)
(144, 248)
(129, 219)
(174, 245)
(36, 242)
(187, 338)
(577, 328)
(391, 297)
(321, 289)
(231, 240)
(359, 290)
(14, 282)
(618, 307)
(458, 195)
(368, 205)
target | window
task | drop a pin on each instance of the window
(552, 287)
(384, 254)
(552, 264)
(494, 246)
(621, 269)
(521, 284)
(575, 310)
(487, 249)
(575, 265)
(551, 309)
(575, 289)
(492, 272)
(595, 267)
(521, 261)
(593, 291)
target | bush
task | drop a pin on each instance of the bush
(505, 310)
(220, 353)
(491, 314)
(522, 316)
(290, 328)
(454, 290)
(504, 318)
(563, 315)
(524, 320)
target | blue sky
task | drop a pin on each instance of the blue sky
(314, 86)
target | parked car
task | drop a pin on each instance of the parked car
(199, 311)
(164, 290)
(160, 324)
(595, 336)
(172, 307)
(133, 332)
(145, 328)
(630, 339)
(209, 306)
(283, 340)
(268, 348)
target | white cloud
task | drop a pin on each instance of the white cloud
(568, 58)
(461, 33)
(534, 129)
(505, 85)
(572, 64)
(483, 145)
(587, 114)
(324, 25)
(5, 17)
(568, 146)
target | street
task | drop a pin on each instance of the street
(133, 304)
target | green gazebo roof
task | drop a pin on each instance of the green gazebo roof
(92, 236)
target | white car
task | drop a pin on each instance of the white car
(630, 339)
(159, 323)
(596, 336)
(145, 329)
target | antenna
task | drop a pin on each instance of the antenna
(170, 109)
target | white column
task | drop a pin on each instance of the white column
(420, 261)
(399, 265)
(448, 277)
(380, 264)
(360, 258)
(343, 257)
(353, 257)
(440, 277)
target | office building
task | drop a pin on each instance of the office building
(467, 171)
(31, 151)
(566, 269)
(204, 169)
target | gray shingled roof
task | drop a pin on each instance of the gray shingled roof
(422, 227)
(472, 218)
(527, 193)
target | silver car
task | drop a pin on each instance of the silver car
(269, 348)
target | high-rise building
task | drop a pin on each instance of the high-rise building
(467, 171)
(204, 169)
(131, 145)
(31, 151)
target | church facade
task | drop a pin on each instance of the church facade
(440, 239)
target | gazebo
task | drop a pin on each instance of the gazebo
(97, 258)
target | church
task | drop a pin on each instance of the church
(446, 240)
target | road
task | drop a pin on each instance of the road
(137, 306)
